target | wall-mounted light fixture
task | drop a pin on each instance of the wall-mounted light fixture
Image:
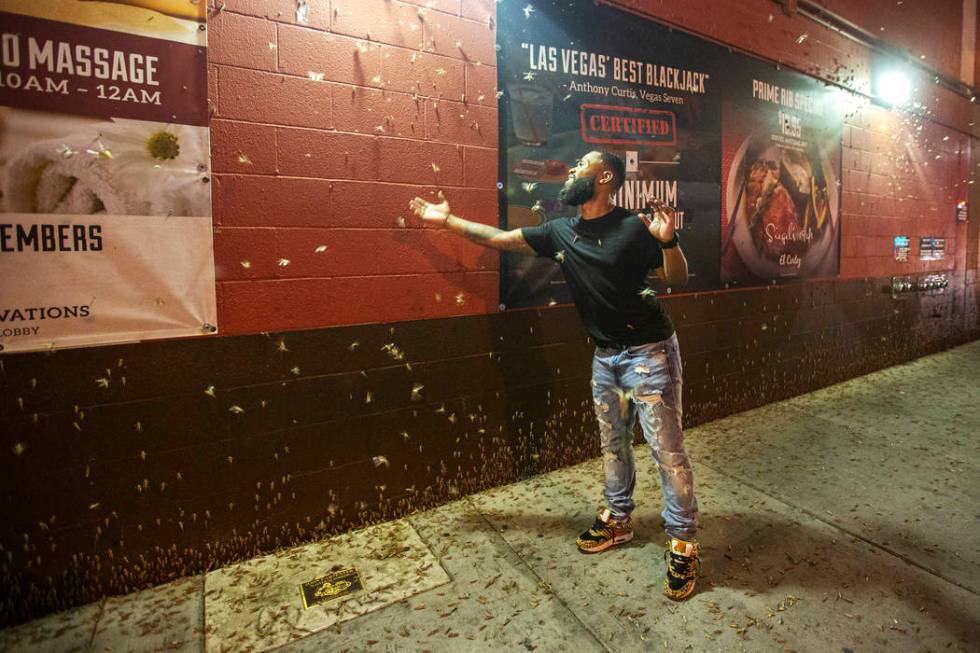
(892, 86)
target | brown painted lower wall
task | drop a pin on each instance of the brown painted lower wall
(202, 452)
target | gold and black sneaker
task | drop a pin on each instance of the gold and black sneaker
(605, 532)
(683, 565)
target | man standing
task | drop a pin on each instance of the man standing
(605, 254)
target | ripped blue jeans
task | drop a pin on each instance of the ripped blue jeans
(644, 380)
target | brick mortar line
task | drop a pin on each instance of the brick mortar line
(329, 30)
(370, 276)
(474, 396)
(329, 228)
(422, 186)
(381, 44)
(277, 175)
(380, 137)
(331, 82)
(264, 279)
(349, 277)
(571, 377)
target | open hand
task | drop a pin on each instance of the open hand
(660, 221)
(435, 214)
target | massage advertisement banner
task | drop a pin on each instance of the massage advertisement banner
(105, 212)
(575, 77)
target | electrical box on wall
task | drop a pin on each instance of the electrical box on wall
(932, 248)
(901, 248)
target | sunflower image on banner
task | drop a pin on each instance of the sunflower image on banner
(105, 194)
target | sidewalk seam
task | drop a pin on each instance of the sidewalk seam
(204, 612)
(98, 620)
(537, 575)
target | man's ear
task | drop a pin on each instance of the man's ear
(606, 177)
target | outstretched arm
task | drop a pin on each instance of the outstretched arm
(674, 270)
(481, 234)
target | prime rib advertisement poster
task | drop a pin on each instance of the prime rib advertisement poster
(781, 172)
(748, 155)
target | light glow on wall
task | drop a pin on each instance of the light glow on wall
(893, 87)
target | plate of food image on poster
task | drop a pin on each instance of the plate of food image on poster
(781, 162)
(575, 77)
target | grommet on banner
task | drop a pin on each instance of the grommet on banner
(209, 328)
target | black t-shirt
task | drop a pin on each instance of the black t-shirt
(605, 261)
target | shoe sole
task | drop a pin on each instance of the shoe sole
(680, 597)
(690, 590)
(619, 539)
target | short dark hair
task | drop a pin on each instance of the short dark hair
(617, 165)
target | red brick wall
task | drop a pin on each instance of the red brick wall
(322, 132)
(928, 30)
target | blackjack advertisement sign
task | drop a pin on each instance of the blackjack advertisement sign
(693, 129)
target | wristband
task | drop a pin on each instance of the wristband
(672, 243)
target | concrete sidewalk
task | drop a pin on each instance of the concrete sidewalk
(841, 520)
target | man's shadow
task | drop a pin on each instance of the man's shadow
(759, 553)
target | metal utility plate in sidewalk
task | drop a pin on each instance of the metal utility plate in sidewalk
(258, 604)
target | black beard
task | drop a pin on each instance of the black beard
(577, 191)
